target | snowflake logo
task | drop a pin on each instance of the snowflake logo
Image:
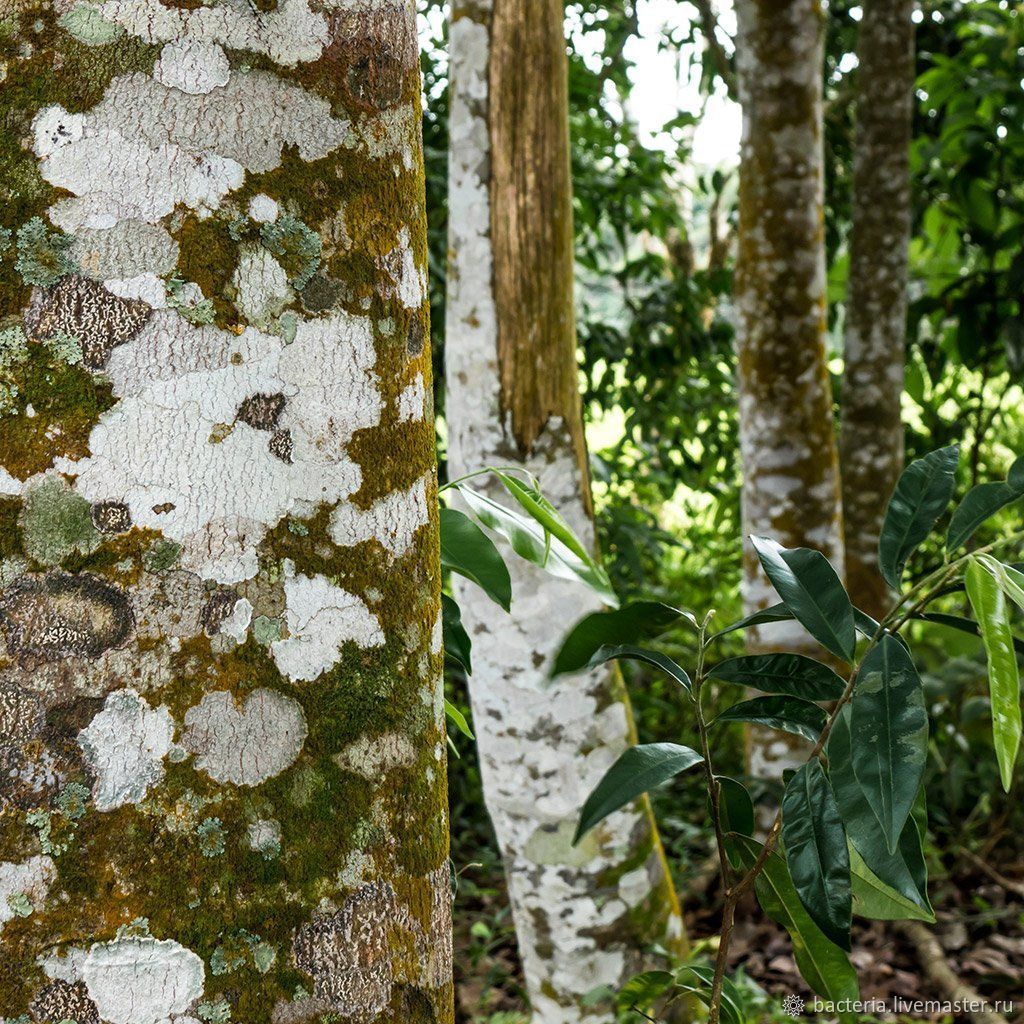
(793, 1006)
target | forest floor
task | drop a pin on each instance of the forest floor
(980, 924)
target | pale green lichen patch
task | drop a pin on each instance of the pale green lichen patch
(85, 22)
(43, 255)
(56, 522)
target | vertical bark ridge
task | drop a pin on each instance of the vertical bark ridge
(222, 736)
(788, 448)
(871, 434)
(584, 916)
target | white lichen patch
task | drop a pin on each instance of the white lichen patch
(144, 148)
(290, 34)
(321, 619)
(24, 886)
(263, 210)
(412, 401)
(125, 745)
(392, 520)
(236, 625)
(261, 285)
(245, 744)
(162, 445)
(373, 756)
(410, 279)
(128, 250)
(141, 980)
(192, 66)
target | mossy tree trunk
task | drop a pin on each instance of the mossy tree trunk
(790, 466)
(584, 916)
(222, 743)
(871, 434)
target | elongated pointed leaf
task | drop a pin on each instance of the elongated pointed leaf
(869, 627)
(639, 769)
(700, 980)
(989, 604)
(874, 899)
(638, 621)
(457, 644)
(815, 841)
(605, 654)
(533, 502)
(792, 674)
(468, 551)
(811, 590)
(458, 719)
(774, 613)
(922, 494)
(530, 540)
(904, 872)
(736, 806)
(822, 963)
(889, 735)
(1009, 579)
(961, 624)
(982, 502)
(790, 714)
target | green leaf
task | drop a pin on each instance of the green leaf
(822, 963)
(458, 719)
(963, 625)
(1009, 579)
(542, 511)
(532, 541)
(700, 981)
(643, 989)
(989, 604)
(790, 714)
(468, 551)
(922, 494)
(782, 673)
(889, 735)
(809, 586)
(637, 621)
(736, 806)
(904, 872)
(605, 654)
(983, 501)
(815, 841)
(457, 644)
(874, 899)
(774, 613)
(639, 769)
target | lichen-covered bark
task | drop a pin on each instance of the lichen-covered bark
(585, 916)
(222, 746)
(790, 467)
(871, 435)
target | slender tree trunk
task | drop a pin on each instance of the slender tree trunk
(871, 437)
(583, 915)
(222, 745)
(790, 466)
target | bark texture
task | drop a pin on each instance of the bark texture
(871, 435)
(222, 738)
(790, 464)
(583, 915)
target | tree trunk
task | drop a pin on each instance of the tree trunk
(583, 915)
(222, 738)
(790, 466)
(871, 437)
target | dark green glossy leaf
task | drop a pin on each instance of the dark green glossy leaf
(774, 613)
(605, 654)
(790, 714)
(815, 841)
(457, 644)
(923, 492)
(822, 963)
(638, 621)
(989, 603)
(811, 590)
(468, 551)
(736, 806)
(639, 769)
(792, 674)
(889, 735)
(903, 873)
(981, 502)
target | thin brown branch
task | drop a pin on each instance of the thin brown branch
(709, 29)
